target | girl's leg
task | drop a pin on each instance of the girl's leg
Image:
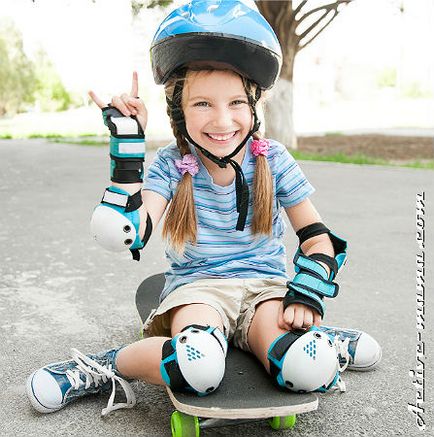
(364, 351)
(54, 386)
(264, 329)
(141, 360)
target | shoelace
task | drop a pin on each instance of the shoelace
(98, 375)
(342, 350)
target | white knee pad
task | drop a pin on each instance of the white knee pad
(305, 361)
(194, 360)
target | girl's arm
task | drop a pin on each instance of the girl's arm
(127, 215)
(303, 214)
(298, 315)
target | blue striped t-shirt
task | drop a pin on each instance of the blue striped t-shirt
(221, 251)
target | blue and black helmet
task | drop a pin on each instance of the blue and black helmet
(223, 31)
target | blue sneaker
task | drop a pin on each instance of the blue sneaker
(364, 353)
(56, 385)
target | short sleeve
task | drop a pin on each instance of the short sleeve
(158, 177)
(292, 187)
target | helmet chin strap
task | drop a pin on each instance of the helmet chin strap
(242, 189)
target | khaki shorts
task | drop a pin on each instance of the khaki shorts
(234, 299)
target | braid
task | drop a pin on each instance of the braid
(262, 220)
(180, 224)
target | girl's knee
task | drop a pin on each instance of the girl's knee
(200, 314)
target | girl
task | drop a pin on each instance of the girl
(223, 187)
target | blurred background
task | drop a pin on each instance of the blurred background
(369, 73)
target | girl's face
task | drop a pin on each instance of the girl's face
(217, 114)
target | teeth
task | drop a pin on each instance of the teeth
(221, 137)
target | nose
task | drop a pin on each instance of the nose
(222, 118)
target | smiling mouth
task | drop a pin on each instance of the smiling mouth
(221, 137)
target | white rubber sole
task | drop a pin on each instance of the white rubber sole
(35, 403)
(367, 368)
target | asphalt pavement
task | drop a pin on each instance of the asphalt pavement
(58, 290)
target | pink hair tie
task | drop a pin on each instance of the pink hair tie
(188, 164)
(260, 147)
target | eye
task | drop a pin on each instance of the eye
(201, 104)
(238, 102)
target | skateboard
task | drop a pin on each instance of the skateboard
(246, 393)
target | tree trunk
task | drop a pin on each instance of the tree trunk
(284, 19)
(279, 124)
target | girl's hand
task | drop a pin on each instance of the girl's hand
(297, 316)
(128, 104)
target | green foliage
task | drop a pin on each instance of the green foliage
(138, 5)
(17, 73)
(387, 78)
(50, 93)
(23, 82)
(415, 90)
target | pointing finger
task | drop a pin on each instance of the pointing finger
(135, 85)
(96, 99)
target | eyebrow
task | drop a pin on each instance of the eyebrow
(238, 96)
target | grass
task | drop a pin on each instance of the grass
(418, 164)
(333, 134)
(360, 160)
(339, 157)
(82, 142)
(87, 139)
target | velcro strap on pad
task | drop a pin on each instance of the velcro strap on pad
(339, 246)
(126, 171)
(312, 230)
(125, 126)
(120, 125)
(317, 285)
(128, 202)
(330, 262)
(313, 299)
(303, 262)
(116, 199)
(276, 353)
(127, 148)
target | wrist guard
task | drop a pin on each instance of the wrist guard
(127, 146)
(312, 282)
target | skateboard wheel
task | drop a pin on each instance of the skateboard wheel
(285, 422)
(184, 425)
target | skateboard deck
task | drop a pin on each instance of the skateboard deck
(246, 392)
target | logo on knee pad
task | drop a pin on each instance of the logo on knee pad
(310, 349)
